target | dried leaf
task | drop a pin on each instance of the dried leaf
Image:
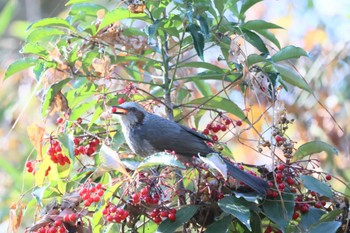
(36, 134)
(16, 213)
(110, 160)
(136, 8)
(59, 104)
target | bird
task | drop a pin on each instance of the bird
(146, 134)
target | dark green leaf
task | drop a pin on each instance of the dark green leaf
(52, 22)
(182, 216)
(246, 5)
(51, 93)
(41, 33)
(288, 52)
(292, 77)
(270, 36)
(117, 15)
(68, 144)
(280, 211)
(316, 185)
(204, 26)
(6, 14)
(198, 39)
(236, 207)
(329, 227)
(254, 40)
(311, 217)
(203, 65)
(20, 65)
(314, 147)
(259, 25)
(160, 159)
(220, 226)
(152, 30)
(220, 5)
(218, 102)
(255, 58)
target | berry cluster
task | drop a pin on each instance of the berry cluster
(89, 149)
(114, 214)
(56, 155)
(222, 125)
(91, 194)
(70, 217)
(160, 214)
(145, 196)
(269, 229)
(29, 166)
(55, 227)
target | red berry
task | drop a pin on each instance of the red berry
(95, 142)
(157, 220)
(227, 121)
(62, 230)
(281, 186)
(154, 214)
(215, 128)
(72, 217)
(206, 131)
(52, 230)
(113, 209)
(121, 100)
(313, 193)
(79, 121)
(100, 192)
(223, 128)
(136, 198)
(268, 229)
(110, 218)
(278, 138)
(328, 177)
(172, 217)
(239, 123)
(58, 223)
(29, 164)
(172, 210)
(66, 218)
(318, 205)
(270, 183)
(164, 214)
(279, 176)
(280, 167)
(30, 169)
(290, 180)
(98, 186)
(304, 208)
(114, 109)
(76, 141)
(59, 120)
(105, 211)
(215, 138)
(145, 191)
(296, 215)
(92, 189)
(96, 198)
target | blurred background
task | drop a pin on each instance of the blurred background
(320, 27)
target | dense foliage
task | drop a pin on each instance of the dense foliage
(191, 60)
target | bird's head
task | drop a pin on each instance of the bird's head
(130, 113)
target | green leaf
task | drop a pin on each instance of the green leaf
(292, 77)
(288, 52)
(86, 9)
(220, 226)
(314, 147)
(246, 5)
(259, 25)
(254, 40)
(204, 26)
(203, 65)
(182, 216)
(280, 211)
(35, 49)
(255, 58)
(270, 36)
(52, 22)
(160, 159)
(203, 87)
(311, 217)
(218, 102)
(41, 33)
(51, 93)
(198, 39)
(329, 227)
(6, 15)
(76, 1)
(117, 15)
(331, 216)
(68, 144)
(38, 194)
(152, 30)
(20, 65)
(238, 208)
(316, 185)
(220, 5)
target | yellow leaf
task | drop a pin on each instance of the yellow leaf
(36, 135)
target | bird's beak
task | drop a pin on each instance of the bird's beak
(119, 110)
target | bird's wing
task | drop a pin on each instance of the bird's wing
(195, 133)
(168, 135)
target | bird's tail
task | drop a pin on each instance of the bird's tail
(254, 182)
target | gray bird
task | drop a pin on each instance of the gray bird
(147, 133)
